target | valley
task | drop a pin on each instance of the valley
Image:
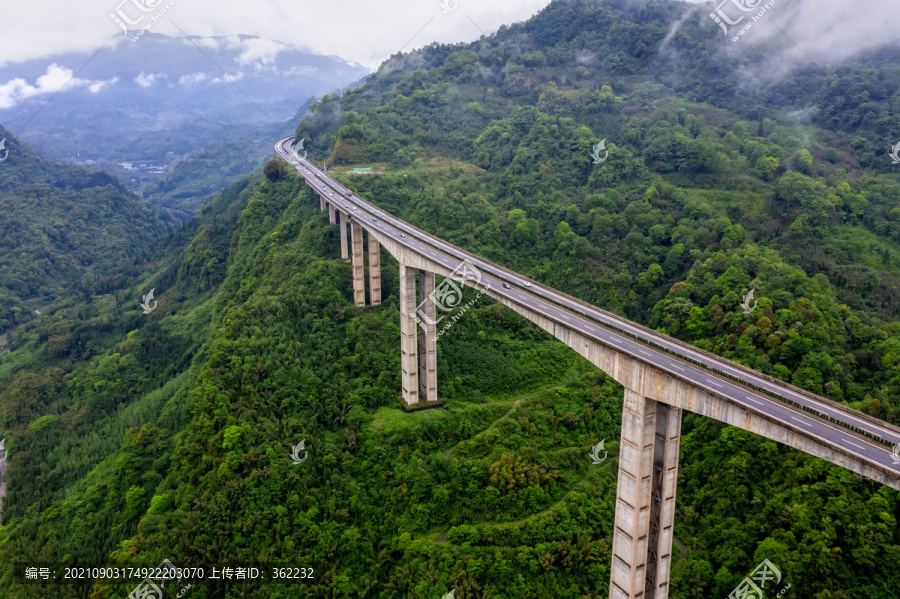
(614, 313)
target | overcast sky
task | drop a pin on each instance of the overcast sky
(360, 31)
(367, 32)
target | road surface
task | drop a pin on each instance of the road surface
(589, 321)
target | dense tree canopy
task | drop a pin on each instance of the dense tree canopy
(135, 438)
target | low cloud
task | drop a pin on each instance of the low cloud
(300, 70)
(16, 91)
(98, 86)
(209, 43)
(805, 33)
(148, 80)
(228, 78)
(261, 51)
(193, 78)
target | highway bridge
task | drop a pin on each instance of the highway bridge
(662, 376)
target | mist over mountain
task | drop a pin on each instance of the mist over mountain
(158, 100)
(799, 33)
(624, 152)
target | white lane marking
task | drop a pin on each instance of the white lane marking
(800, 421)
(645, 353)
(713, 382)
(678, 367)
(753, 379)
(614, 340)
(852, 443)
(566, 317)
(723, 366)
(754, 401)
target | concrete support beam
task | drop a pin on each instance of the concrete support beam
(359, 269)
(427, 338)
(331, 213)
(408, 336)
(321, 202)
(645, 499)
(374, 271)
(699, 395)
(343, 224)
(662, 506)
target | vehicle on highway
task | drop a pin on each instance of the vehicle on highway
(527, 284)
(374, 221)
(506, 285)
(349, 193)
(402, 235)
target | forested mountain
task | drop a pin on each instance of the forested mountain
(168, 435)
(192, 180)
(63, 230)
(163, 98)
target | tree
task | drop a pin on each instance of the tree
(766, 167)
(273, 170)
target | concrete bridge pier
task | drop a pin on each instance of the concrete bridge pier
(409, 382)
(331, 213)
(645, 499)
(321, 202)
(427, 338)
(359, 269)
(343, 224)
(374, 271)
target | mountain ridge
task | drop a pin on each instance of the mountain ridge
(256, 343)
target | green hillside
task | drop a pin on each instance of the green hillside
(64, 229)
(135, 438)
(195, 178)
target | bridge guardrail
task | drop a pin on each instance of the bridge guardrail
(758, 388)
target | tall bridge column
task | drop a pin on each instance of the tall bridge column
(331, 213)
(343, 224)
(427, 339)
(321, 202)
(408, 335)
(645, 499)
(374, 271)
(359, 269)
